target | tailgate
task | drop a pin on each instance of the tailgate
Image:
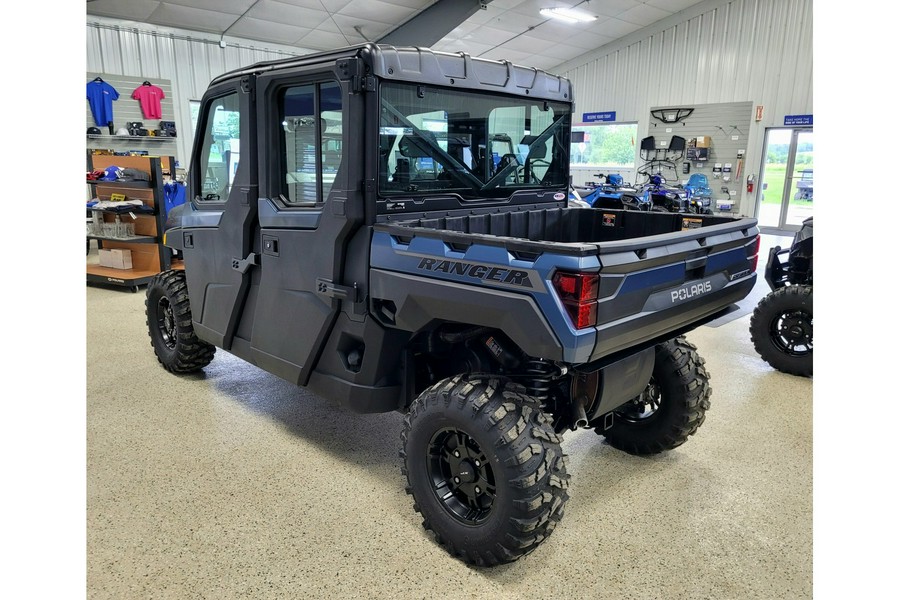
(648, 293)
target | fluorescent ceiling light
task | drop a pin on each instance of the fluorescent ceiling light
(568, 15)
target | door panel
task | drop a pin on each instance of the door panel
(303, 221)
(219, 222)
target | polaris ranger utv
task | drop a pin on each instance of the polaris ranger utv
(353, 227)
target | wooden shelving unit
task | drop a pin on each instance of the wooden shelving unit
(148, 254)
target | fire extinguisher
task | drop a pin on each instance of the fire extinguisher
(750, 182)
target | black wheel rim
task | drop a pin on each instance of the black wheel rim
(165, 322)
(642, 407)
(792, 332)
(461, 476)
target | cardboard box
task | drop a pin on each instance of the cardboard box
(116, 258)
(703, 141)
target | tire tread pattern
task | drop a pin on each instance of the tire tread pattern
(769, 308)
(525, 445)
(685, 370)
(191, 354)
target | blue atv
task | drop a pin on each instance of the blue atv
(657, 195)
(612, 191)
(699, 193)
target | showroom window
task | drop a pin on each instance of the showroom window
(603, 145)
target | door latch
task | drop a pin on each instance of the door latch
(242, 265)
(327, 288)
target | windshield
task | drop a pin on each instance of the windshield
(474, 144)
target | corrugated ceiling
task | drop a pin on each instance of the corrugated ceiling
(509, 29)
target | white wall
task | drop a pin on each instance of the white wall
(189, 59)
(716, 51)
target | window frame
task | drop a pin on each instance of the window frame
(390, 90)
(279, 143)
(199, 143)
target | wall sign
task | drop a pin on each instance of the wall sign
(598, 116)
(798, 119)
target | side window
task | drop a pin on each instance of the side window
(539, 158)
(331, 145)
(311, 141)
(220, 148)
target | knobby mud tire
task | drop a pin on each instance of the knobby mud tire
(682, 392)
(524, 457)
(169, 324)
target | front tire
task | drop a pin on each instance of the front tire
(671, 408)
(170, 325)
(781, 329)
(630, 203)
(484, 467)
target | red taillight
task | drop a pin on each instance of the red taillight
(754, 260)
(584, 315)
(576, 287)
(579, 292)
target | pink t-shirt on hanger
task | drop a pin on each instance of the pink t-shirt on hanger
(149, 96)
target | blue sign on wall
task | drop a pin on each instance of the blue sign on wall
(598, 116)
(798, 119)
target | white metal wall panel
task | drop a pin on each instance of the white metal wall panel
(720, 51)
(190, 60)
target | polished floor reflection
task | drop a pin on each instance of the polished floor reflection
(236, 484)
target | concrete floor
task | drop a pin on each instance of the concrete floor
(235, 484)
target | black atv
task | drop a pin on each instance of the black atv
(782, 323)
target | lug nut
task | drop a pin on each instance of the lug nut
(456, 480)
(477, 490)
(477, 463)
(456, 453)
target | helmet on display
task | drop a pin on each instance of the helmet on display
(93, 131)
(122, 131)
(112, 173)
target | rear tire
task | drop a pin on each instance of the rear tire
(781, 329)
(484, 467)
(671, 408)
(170, 325)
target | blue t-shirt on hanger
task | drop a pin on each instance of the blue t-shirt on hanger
(174, 193)
(100, 95)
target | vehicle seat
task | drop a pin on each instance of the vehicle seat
(538, 153)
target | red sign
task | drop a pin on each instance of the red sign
(759, 110)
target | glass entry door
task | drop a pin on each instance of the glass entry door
(786, 197)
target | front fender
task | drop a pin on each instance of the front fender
(171, 238)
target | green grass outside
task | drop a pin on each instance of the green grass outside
(774, 177)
